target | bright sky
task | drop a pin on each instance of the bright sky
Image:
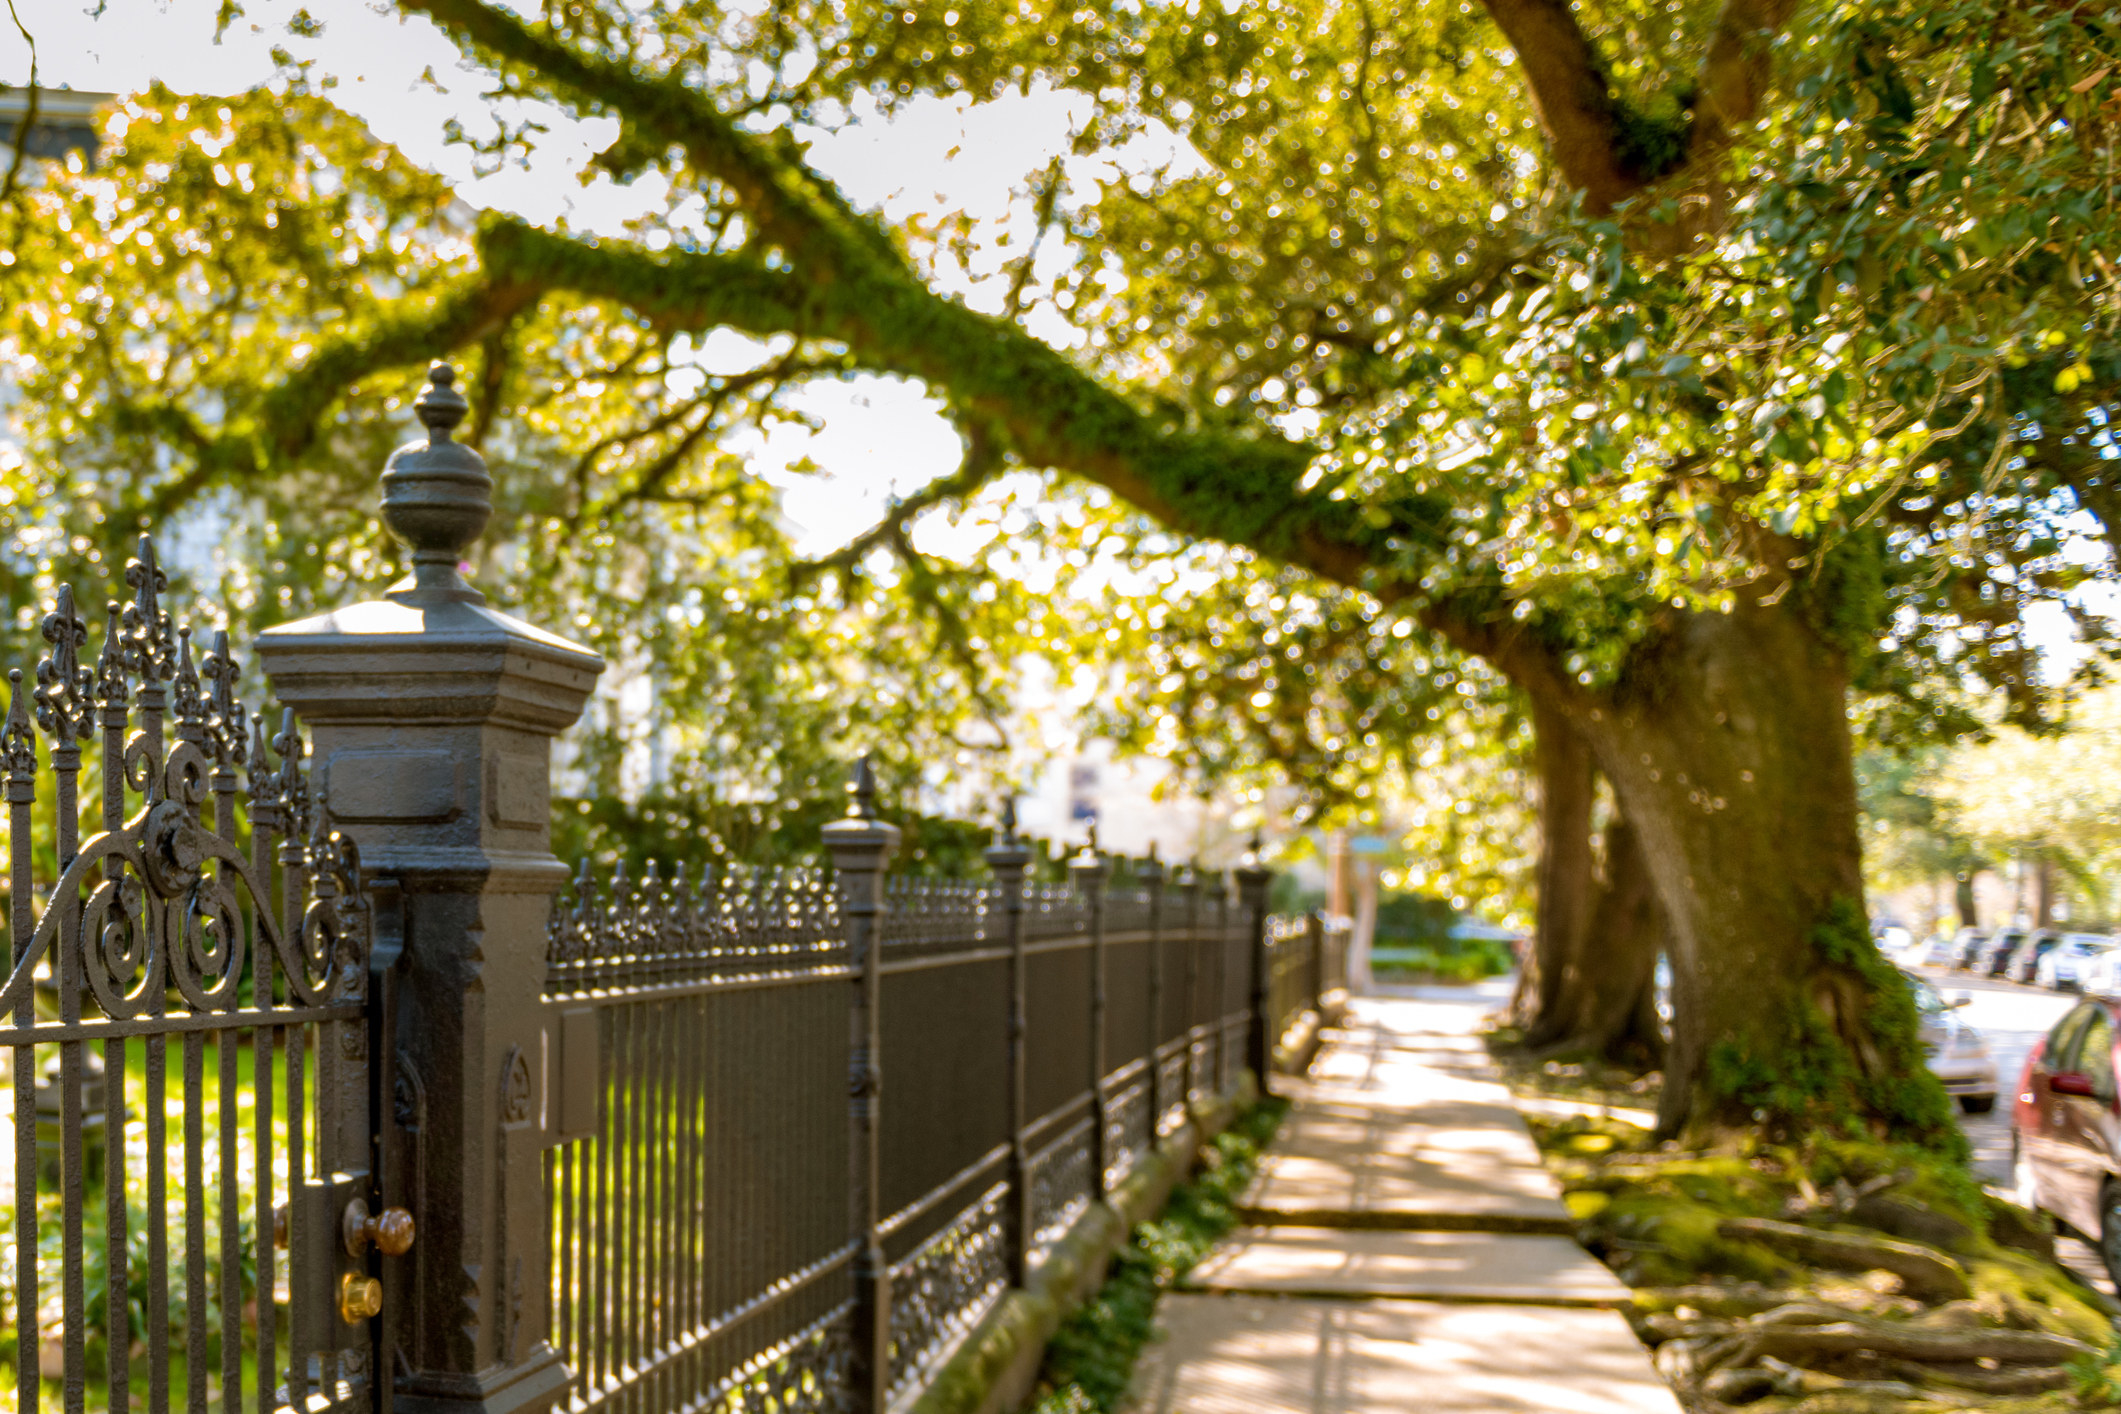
(405, 80)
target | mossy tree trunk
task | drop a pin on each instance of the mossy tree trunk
(1567, 879)
(1728, 747)
(1590, 985)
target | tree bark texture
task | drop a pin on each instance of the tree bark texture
(1590, 986)
(1727, 744)
(1567, 877)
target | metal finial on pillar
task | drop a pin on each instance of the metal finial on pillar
(861, 792)
(440, 407)
(437, 497)
(1008, 831)
(1088, 855)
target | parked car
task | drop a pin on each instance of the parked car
(1957, 1052)
(1966, 946)
(1937, 950)
(2062, 970)
(2064, 1128)
(2100, 974)
(1996, 954)
(2026, 959)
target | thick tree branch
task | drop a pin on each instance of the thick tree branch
(790, 205)
(285, 420)
(1574, 96)
(1734, 73)
(849, 284)
(1207, 484)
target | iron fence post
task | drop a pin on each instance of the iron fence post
(1008, 859)
(1253, 880)
(861, 845)
(433, 717)
(1315, 931)
(1089, 871)
(1152, 877)
(1189, 886)
(1219, 983)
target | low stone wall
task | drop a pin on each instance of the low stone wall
(995, 1368)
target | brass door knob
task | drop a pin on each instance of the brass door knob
(390, 1230)
(359, 1298)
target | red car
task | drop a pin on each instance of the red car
(2066, 1129)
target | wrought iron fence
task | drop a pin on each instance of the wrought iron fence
(1307, 965)
(1034, 1041)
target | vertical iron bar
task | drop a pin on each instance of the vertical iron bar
(155, 1068)
(1008, 859)
(19, 747)
(264, 815)
(861, 845)
(195, 1300)
(1253, 882)
(1189, 883)
(111, 717)
(597, 1357)
(1152, 877)
(1315, 934)
(669, 1225)
(1089, 870)
(117, 1356)
(1219, 986)
(72, 1075)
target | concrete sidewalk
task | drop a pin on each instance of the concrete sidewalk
(1403, 1249)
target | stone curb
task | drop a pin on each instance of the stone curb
(999, 1361)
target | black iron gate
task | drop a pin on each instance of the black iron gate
(194, 1211)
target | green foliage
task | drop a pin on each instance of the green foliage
(1468, 961)
(220, 243)
(697, 831)
(1092, 1356)
(1404, 918)
(2096, 1378)
(1909, 838)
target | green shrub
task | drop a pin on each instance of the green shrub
(1461, 960)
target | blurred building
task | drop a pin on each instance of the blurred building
(65, 124)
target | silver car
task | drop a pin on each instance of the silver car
(1957, 1052)
(2063, 968)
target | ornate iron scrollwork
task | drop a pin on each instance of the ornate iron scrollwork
(164, 901)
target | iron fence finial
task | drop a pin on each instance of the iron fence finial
(18, 744)
(440, 407)
(437, 497)
(861, 791)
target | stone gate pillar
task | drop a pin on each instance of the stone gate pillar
(432, 717)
